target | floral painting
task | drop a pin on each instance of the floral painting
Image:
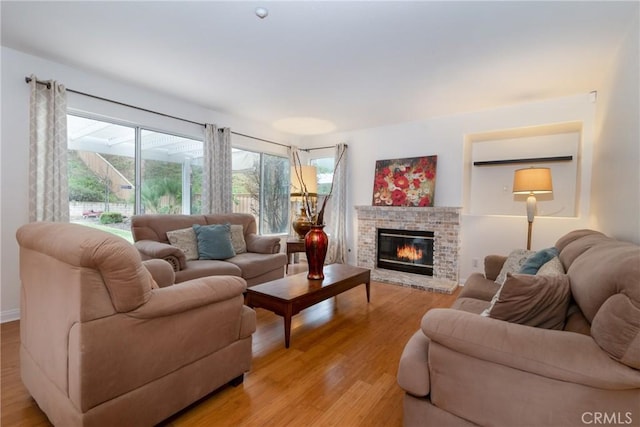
(405, 182)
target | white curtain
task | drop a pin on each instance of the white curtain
(217, 171)
(337, 251)
(48, 187)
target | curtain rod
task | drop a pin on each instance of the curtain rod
(48, 84)
(317, 148)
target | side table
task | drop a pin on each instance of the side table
(293, 245)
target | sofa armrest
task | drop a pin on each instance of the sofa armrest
(247, 322)
(189, 295)
(492, 266)
(561, 355)
(262, 244)
(150, 249)
(161, 271)
(413, 369)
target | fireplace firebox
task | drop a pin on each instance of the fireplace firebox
(405, 250)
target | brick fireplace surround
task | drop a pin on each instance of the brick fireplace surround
(443, 221)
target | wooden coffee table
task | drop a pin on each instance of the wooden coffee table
(291, 294)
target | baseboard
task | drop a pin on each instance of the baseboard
(10, 315)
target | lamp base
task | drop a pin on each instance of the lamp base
(531, 212)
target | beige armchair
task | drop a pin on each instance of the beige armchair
(103, 345)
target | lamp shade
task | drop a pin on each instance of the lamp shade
(532, 181)
(309, 177)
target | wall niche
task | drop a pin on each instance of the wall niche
(493, 157)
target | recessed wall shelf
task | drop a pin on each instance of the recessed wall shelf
(531, 160)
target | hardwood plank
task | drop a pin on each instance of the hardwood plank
(340, 369)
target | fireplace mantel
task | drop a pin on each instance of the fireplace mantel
(443, 221)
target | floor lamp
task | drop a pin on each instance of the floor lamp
(532, 181)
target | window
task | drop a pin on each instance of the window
(324, 167)
(261, 188)
(171, 174)
(106, 175)
(103, 174)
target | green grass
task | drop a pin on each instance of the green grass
(125, 234)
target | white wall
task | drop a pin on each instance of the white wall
(448, 138)
(616, 173)
(15, 140)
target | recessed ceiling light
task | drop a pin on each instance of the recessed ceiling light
(261, 12)
(304, 125)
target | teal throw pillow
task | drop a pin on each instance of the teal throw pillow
(214, 241)
(537, 260)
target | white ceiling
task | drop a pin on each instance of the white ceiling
(355, 64)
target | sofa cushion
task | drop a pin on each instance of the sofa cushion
(576, 322)
(575, 248)
(470, 305)
(477, 287)
(514, 262)
(620, 315)
(604, 284)
(253, 264)
(198, 268)
(214, 241)
(237, 239)
(539, 301)
(534, 262)
(185, 240)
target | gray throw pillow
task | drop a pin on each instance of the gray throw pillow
(214, 241)
(539, 301)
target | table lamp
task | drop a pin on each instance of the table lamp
(302, 222)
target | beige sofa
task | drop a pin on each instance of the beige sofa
(103, 345)
(261, 263)
(464, 369)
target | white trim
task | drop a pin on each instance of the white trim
(10, 315)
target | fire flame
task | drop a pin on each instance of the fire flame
(409, 252)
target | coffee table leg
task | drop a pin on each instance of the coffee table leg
(287, 326)
(368, 286)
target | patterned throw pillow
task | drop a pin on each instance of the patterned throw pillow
(185, 240)
(551, 268)
(514, 262)
(214, 241)
(237, 239)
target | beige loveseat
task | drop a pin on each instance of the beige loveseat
(462, 368)
(261, 262)
(103, 345)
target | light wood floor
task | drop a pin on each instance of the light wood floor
(339, 371)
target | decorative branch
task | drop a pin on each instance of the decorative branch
(319, 218)
(297, 165)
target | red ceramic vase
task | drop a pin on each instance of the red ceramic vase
(315, 244)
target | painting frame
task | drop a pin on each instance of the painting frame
(405, 182)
